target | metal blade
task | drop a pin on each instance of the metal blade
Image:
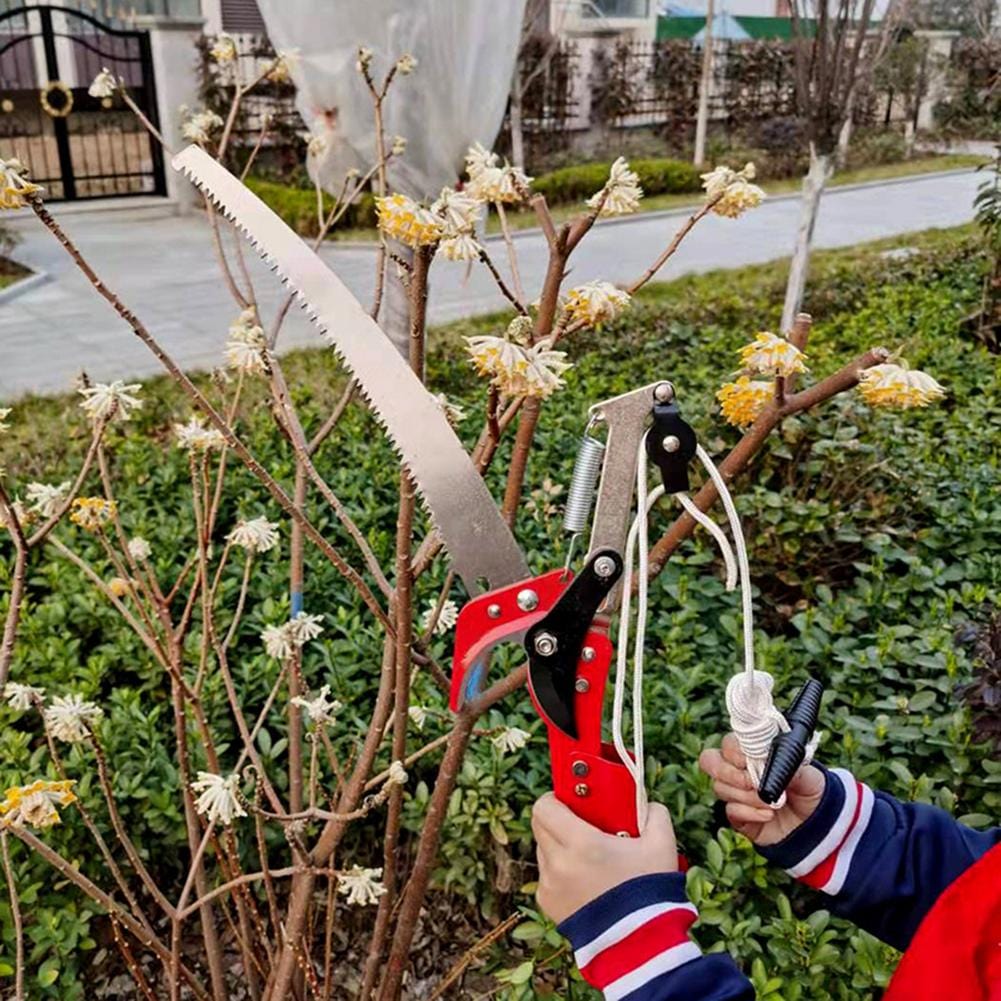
(478, 539)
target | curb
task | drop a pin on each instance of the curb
(683, 210)
(23, 285)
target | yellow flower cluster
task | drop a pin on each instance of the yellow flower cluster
(91, 513)
(737, 194)
(516, 370)
(35, 804)
(741, 402)
(771, 355)
(403, 219)
(597, 302)
(15, 188)
(898, 387)
(490, 182)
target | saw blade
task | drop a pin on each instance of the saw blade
(477, 538)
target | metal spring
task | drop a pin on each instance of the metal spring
(580, 496)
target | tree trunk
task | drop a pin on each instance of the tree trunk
(821, 168)
(845, 135)
(705, 85)
(514, 119)
(395, 318)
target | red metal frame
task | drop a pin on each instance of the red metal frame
(588, 774)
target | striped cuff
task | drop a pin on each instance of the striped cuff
(628, 941)
(820, 851)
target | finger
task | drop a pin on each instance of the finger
(557, 822)
(742, 814)
(546, 821)
(659, 835)
(716, 766)
(734, 794)
(808, 781)
(732, 752)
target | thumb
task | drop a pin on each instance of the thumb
(659, 833)
(807, 783)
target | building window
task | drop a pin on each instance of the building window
(615, 8)
(242, 17)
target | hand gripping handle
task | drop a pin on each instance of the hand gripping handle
(789, 749)
(588, 775)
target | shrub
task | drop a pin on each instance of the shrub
(866, 561)
(297, 206)
(657, 177)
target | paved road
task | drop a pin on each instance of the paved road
(164, 268)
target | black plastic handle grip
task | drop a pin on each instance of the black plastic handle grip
(789, 749)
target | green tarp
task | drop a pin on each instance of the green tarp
(756, 27)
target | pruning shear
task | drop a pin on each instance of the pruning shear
(562, 618)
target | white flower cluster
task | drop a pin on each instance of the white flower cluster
(459, 213)
(621, 194)
(110, 399)
(45, 498)
(256, 535)
(321, 709)
(219, 799)
(282, 641)
(245, 349)
(491, 182)
(733, 189)
(447, 618)
(196, 437)
(361, 886)
(104, 85)
(69, 718)
(199, 125)
(22, 697)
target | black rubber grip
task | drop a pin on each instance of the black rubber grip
(789, 749)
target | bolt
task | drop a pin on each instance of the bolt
(528, 600)
(671, 443)
(623, 834)
(493, 611)
(582, 685)
(604, 566)
(582, 789)
(580, 769)
(663, 392)
(545, 644)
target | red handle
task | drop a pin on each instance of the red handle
(588, 775)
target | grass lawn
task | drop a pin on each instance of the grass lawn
(526, 219)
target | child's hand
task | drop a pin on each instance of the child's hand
(745, 811)
(578, 862)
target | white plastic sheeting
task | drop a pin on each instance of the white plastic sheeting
(466, 50)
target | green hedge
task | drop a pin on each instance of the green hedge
(297, 206)
(876, 541)
(657, 177)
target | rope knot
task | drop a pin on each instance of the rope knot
(754, 720)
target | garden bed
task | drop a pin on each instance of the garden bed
(11, 272)
(875, 539)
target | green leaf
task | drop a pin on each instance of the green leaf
(48, 973)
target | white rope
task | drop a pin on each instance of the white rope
(753, 716)
(637, 544)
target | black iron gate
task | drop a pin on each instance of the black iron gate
(76, 145)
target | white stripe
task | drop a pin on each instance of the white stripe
(844, 862)
(838, 830)
(625, 927)
(652, 968)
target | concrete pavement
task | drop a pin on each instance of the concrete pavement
(164, 268)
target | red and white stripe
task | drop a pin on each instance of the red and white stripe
(826, 867)
(642, 945)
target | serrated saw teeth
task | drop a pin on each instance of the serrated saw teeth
(478, 539)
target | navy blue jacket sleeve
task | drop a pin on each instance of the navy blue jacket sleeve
(632, 943)
(884, 862)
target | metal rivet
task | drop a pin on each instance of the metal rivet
(663, 392)
(582, 685)
(671, 443)
(582, 789)
(604, 566)
(528, 600)
(623, 834)
(587, 654)
(493, 611)
(545, 644)
(580, 768)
